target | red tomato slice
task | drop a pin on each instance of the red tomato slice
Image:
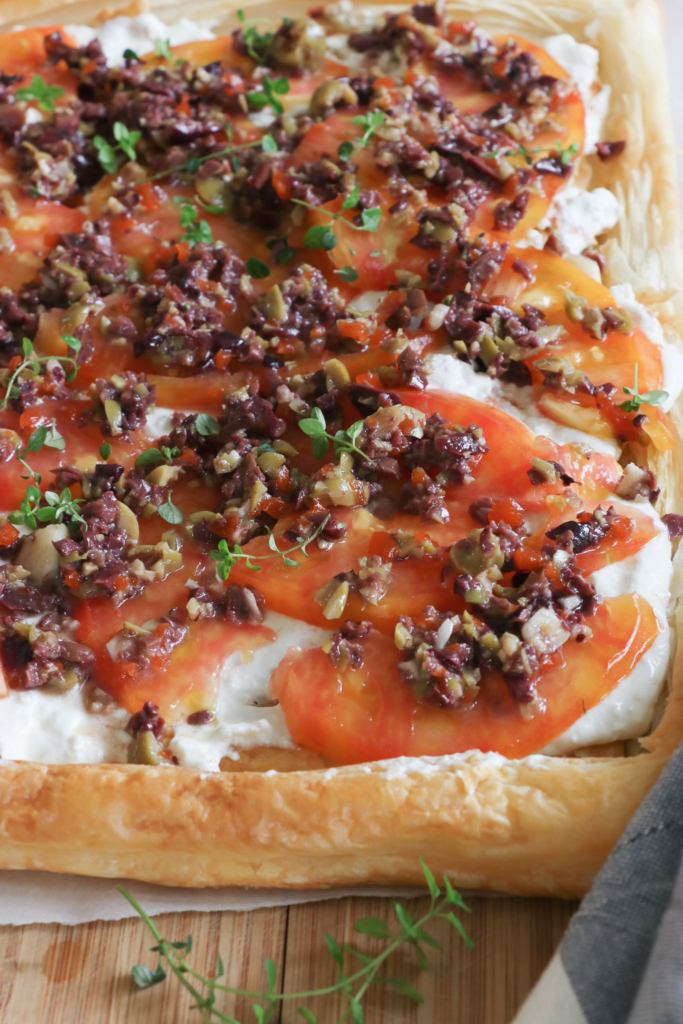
(81, 440)
(368, 714)
(513, 445)
(187, 679)
(612, 360)
(465, 91)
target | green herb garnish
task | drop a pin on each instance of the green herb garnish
(634, 403)
(344, 440)
(268, 144)
(272, 88)
(257, 43)
(44, 94)
(369, 122)
(195, 231)
(347, 274)
(162, 49)
(33, 361)
(170, 512)
(106, 153)
(151, 456)
(206, 425)
(226, 559)
(353, 985)
(321, 236)
(31, 511)
(257, 268)
(565, 155)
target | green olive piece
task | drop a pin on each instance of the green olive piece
(145, 749)
(302, 47)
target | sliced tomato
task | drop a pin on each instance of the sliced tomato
(23, 53)
(34, 231)
(82, 437)
(184, 681)
(513, 445)
(611, 360)
(634, 529)
(368, 714)
(567, 118)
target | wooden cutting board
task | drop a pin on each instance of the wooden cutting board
(54, 974)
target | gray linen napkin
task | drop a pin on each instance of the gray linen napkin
(621, 959)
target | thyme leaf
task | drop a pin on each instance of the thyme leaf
(634, 403)
(272, 89)
(195, 231)
(44, 94)
(344, 440)
(321, 236)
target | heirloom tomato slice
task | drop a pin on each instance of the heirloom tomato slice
(368, 713)
(82, 438)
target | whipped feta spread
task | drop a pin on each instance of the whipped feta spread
(627, 712)
(245, 716)
(58, 728)
(447, 373)
(581, 62)
(139, 34)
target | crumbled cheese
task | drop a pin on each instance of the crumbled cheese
(139, 34)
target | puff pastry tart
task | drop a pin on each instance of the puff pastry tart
(338, 375)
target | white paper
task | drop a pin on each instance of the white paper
(31, 897)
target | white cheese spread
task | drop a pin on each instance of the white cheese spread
(57, 728)
(447, 373)
(627, 712)
(242, 717)
(139, 34)
(578, 217)
(581, 62)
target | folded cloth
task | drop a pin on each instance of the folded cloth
(621, 959)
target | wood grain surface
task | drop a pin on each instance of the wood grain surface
(54, 974)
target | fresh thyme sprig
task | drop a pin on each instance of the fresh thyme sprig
(126, 143)
(369, 122)
(321, 236)
(195, 231)
(565, 155)
(272, 89)
(343, 440)
(32, 361)
(352, 986)
(162, 49)
(226, 559)
(193, 163)
(151, 456)
(257, 43)
(31, 510)
(634, 403)
(44, 94)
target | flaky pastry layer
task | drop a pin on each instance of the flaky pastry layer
(536, 826)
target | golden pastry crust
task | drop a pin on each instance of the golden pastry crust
(538, 826)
